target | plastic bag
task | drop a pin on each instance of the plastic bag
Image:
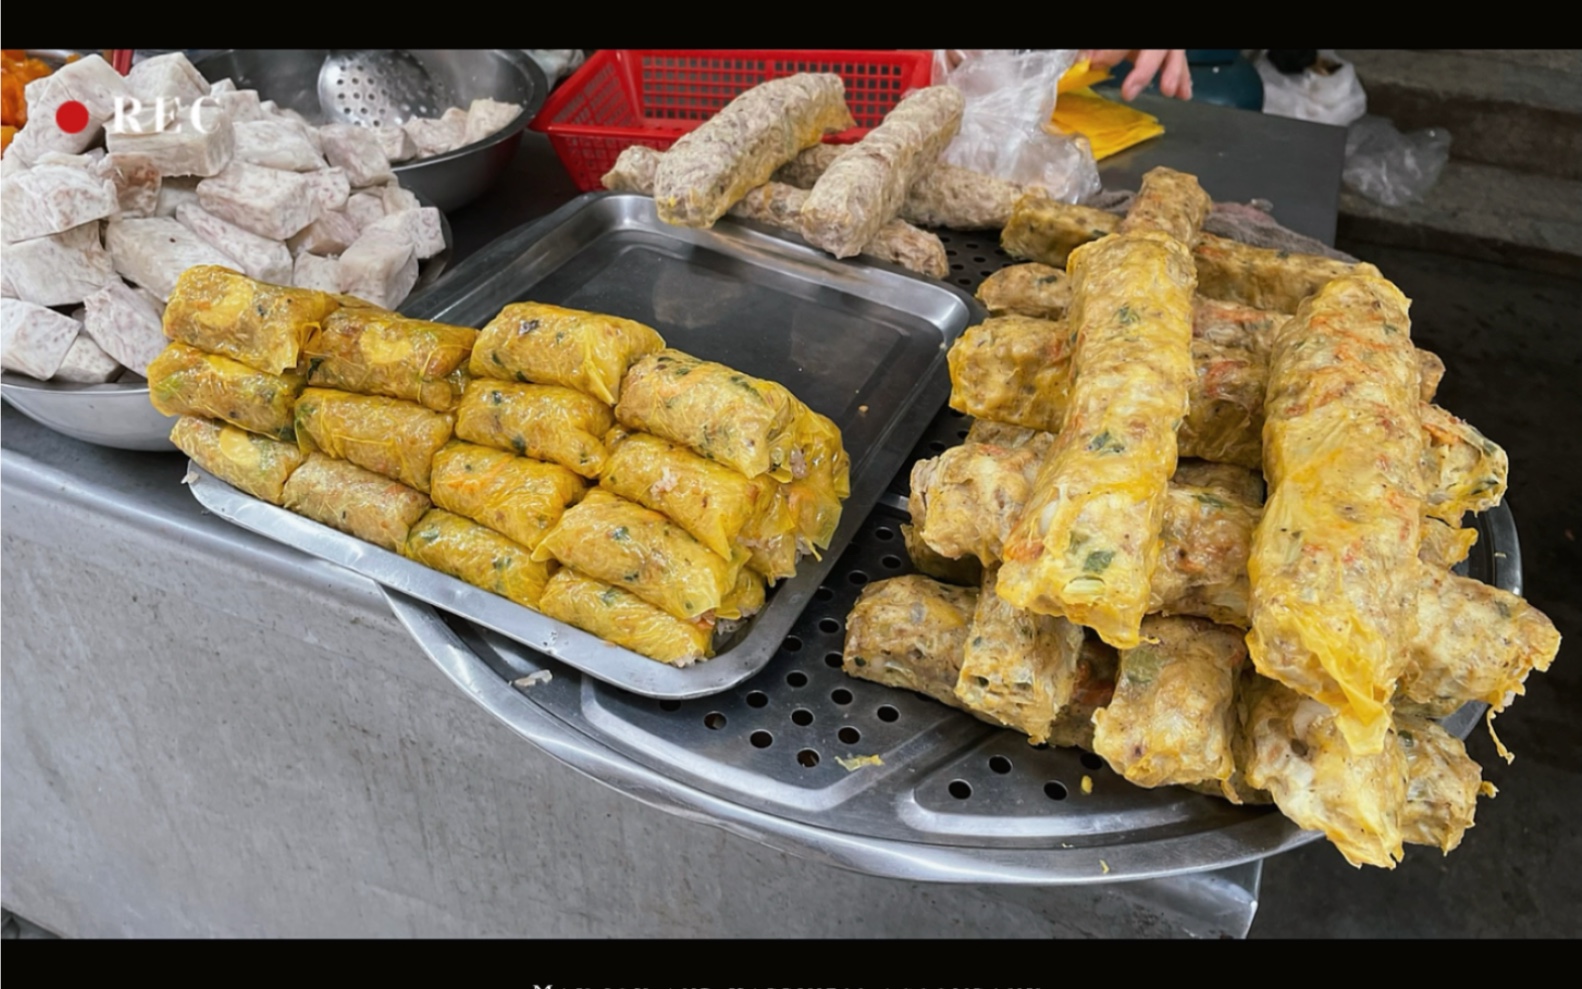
(1326, 92)
(1010, 95)
(1392, 168)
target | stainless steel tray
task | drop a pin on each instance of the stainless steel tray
(861, 343)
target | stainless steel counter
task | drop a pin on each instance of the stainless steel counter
(206, 733)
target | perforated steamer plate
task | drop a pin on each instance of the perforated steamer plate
(377, 87)
(951, 798)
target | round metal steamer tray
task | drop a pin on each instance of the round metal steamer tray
(951, 798)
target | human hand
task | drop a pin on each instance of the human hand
(1174, 80)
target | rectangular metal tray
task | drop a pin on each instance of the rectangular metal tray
(863, 343)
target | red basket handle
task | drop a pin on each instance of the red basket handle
(121, 60)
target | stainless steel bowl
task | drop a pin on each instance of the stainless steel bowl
(119, 414)
(290, 78)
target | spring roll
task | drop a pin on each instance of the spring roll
(745, 599)
(1442, 785)
(1171, 719)
(184, 380)
(710, 168)
(710, 501)
(1445, 545)
(864, 188)
(622, 543)
(965, 572)
(1298, 753)
(358, 502)
(1169, 202)
(910, 632)
(519, 498)
(478, 555)
(1343, 452)
(1088, 543)
(1474, 642)
(373, 352)
(1031, 289)
(385, 435)
(263, 326)
(779, 205)
(772, 539)
(1240, 483)
(549, 345)
(1018, 667)
(254, 464)
(1041, 229)
(544, 422)
(1464, 471)
(966, 501)
(625, 619)
(740, 421)
(944, 195)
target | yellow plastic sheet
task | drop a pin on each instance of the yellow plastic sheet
(1109, 126)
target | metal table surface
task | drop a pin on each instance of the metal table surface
(123, 492)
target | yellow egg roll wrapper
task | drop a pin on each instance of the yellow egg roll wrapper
(248, 462)
(373, 352)
(709, 500)
(519, 498)
(1334, 567)
(263, 326)
(625, 619)
(358, 502)
(184, 380)
(478, 555)
(1088, 542)
(1171, 719)
(1018, 667)
(544, 422)
(386, 435)
(1297, 752)
(551, 345)
(743, 422)
(622, 543)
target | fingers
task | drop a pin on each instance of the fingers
(1176, 79)
(1146, 65)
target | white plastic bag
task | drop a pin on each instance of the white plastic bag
(1392, 168)
(1010, 96)
(1327, 92)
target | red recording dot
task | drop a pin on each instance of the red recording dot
(71, 117)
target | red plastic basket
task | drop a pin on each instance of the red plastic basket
(649, 96)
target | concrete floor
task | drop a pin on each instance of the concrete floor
(1513, 353)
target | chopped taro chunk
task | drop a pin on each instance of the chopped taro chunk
(276, 143)
(174, 191)
(170, 76)
(380, 268)
(331, 233)
(137, 182)
(90, 81)
(50, 199)
(330, 188)
(358, 151)
(317, 272)
(258, 257)
(420, 226)
(127, 324)
(486, 117)
(86, 363)
(267, 201)
(174, 144)
(365, 209)
(154, 252)
(395, 142)
(60, 269)
(34, 340)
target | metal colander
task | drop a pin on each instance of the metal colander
(378, 88)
